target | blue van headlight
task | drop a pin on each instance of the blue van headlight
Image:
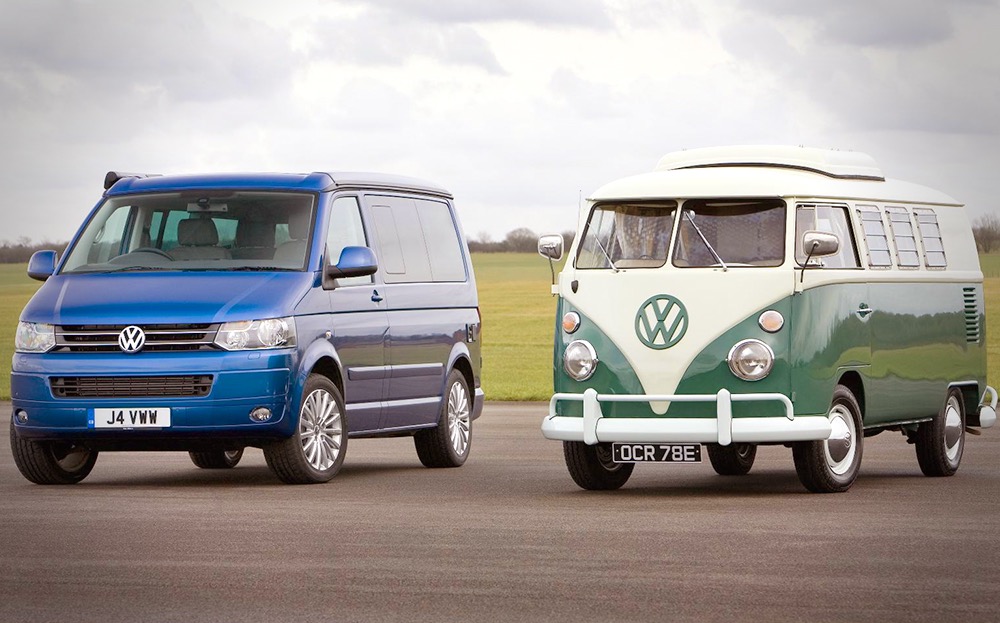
(34, 337)
(256, 334)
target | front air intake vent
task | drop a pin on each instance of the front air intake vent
(973, 326)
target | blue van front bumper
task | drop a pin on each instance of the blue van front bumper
(237, 384)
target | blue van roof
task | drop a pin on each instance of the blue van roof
(118, 183)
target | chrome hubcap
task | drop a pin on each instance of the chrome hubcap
(842, 445)
(953, 430)
(458, 419)
(320, 429)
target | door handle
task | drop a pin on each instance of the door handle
(376, 297)
(863, 311)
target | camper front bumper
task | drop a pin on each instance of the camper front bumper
(723, 429)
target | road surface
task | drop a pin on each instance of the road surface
(507, 537)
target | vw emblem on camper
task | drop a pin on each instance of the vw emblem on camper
(661, 321)
(131, 339)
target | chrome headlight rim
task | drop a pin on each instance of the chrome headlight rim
(34, 337)
(733, 362)
(591, 354)
(257, 334)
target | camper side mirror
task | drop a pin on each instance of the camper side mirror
(353, 262)
(820, 244)
(42, 265)
(551, 246)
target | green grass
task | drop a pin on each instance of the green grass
(518, 322)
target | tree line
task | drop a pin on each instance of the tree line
(19, 252)
(520, 240)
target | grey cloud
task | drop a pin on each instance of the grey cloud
(192, 52)
(585, 13)
(377, 39)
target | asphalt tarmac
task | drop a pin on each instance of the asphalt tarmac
(507, 537)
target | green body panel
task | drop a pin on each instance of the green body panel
(614, 374)
(709, 372)
(919, 339)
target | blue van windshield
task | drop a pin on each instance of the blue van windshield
(196, 230)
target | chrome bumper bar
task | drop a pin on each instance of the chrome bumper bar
(594, 428)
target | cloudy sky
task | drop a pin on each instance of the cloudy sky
(517, 106)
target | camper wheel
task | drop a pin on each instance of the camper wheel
(593, 468)
(940, 442)
(832, 465)
(733, 460)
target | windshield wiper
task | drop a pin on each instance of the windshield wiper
(130, 268)
(717, 257)
(606, 254)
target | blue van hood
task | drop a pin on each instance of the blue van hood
(168, 297)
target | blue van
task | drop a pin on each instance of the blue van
(288, 312)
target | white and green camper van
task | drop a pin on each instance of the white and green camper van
(742, 296)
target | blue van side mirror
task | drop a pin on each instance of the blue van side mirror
(41, 265)
(354, 262)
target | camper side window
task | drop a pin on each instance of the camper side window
(831, 219)
(904, 237)
(930, 235)
(627, 236)
(875, 237)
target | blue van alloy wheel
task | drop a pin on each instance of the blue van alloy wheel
(448, 444)
(316, 451)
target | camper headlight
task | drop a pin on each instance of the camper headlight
(751, 360)
(34, 337)
(580, 360)
(256, 334)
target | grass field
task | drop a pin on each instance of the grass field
(518, 322)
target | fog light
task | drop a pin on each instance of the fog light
(22, 416)
(260, 414)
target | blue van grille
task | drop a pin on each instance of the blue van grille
(130, 386)
(973, 330)
(159, 337)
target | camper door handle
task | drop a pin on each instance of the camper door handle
(863, 311)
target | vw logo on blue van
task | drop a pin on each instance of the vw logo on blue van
(131, 339)
(661, 322)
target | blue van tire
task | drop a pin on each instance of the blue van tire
(941, 441)
(736, 459)
(592, 467)
(832, 465)
(51, 462)
(448, 444)
(315, 451)
(216, 459)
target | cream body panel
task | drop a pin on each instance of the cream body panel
(714, 300)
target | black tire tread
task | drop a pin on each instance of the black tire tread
(36, 463)
(284, 457)
(588, 472)
(929, 443)
(211, 459)
(726, 460)
(810, 459)
(433, 445)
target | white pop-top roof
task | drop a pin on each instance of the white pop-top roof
(768, 171)
(846, 164)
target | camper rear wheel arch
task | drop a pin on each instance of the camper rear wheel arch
(733, 460)
(941, 441)
(832, 465)
(592, 467)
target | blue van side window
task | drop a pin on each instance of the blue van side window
(444, 252)
(390, 252)
(930, 235)
(346, 230)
